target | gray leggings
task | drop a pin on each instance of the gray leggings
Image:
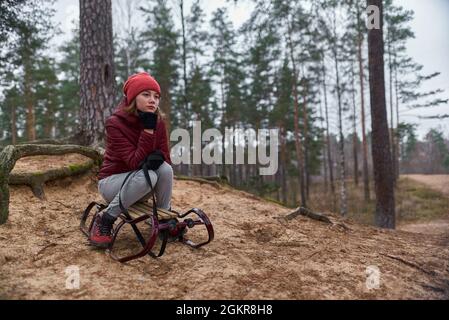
(137, 189)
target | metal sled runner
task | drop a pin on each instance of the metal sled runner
(150, 227)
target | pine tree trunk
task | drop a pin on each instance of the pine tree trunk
(29, 101)
(49, 118)
(48, 126)
(277, 178)
(328, 141)
(324, 151)
(396, 138)
(62, 125)
(13, 124)
(326, 178)
(184, 57)
(306, 141)
(240, 175)
(284, 189)
(294, 188)
(362, 114)
(299, 153)
(354, 132)
(356, 159)
(383, 182)
(298, 147)
(343, 204)
(97, 72)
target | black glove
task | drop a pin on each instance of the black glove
(148, 119)
(154, 160)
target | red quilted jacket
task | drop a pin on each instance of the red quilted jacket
(127, 144)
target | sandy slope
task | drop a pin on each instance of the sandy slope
(254, 254)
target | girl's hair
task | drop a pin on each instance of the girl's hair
(132, 108)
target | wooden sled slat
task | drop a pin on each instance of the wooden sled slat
(141, 208)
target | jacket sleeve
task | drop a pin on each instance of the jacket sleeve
(163, 143)
(126, 151)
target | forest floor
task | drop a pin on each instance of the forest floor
(255, 255)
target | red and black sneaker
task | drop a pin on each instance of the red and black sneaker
(101, 232)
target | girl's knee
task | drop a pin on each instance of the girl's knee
(141, 182)
(165, 169)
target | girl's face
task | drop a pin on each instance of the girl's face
(148, 101)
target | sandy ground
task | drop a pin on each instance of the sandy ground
(254, 254)
(439, 226)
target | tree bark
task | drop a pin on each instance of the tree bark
(29, 100)
(323, 150)
(355, 139)
(283, 172)
(13, 124)
(343, 204)
(97, 72)
(385, 210)
(184, 57)
(298, 147)
(363, 120)
(396, 138)
(328, 140)
(49, 117)
(306, 140)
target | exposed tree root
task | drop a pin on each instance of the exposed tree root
(36, 180)
(213, 181)
(301, 211)
(10, 154)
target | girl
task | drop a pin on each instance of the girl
(135, 130)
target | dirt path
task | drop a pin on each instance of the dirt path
(254, 254)
(440, 226)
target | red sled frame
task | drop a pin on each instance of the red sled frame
(157, 227)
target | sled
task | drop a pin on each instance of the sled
(160, 226)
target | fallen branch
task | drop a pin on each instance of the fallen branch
(410, 264)
(12, 153)
(301, 211)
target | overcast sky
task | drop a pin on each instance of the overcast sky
(430, 47)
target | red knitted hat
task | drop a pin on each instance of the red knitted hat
(137, 83)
